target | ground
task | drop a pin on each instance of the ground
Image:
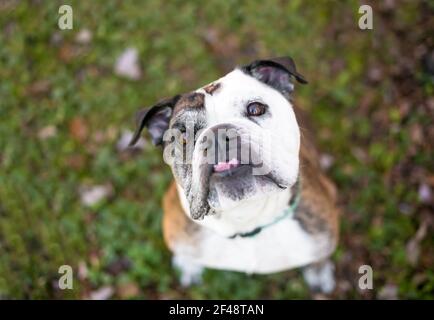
(64, 109)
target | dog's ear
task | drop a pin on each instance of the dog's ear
(155, 119)
(276, 72)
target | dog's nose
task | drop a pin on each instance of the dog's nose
(227, 143)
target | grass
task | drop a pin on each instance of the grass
(359, 94)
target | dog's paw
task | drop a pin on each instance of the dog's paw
(320, 277)
(191, 272)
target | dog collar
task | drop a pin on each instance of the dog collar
(288, 212)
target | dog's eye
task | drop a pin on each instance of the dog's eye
(255, 109)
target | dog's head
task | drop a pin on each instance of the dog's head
(232, 141)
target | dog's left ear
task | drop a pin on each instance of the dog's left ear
(276, 72)
(155, 119)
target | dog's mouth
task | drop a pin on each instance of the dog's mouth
(225, 176)
(227, 168)
(231, 182)
(231, 168)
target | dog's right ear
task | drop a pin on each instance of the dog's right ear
(156, 119)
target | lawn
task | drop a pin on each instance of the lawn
(64, 111)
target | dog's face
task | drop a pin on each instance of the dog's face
(232, 141)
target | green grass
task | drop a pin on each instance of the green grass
(43, 223)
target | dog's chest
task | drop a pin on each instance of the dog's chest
(282, 246)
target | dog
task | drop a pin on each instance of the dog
(240, 201)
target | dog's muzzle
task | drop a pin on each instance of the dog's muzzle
(226, 147)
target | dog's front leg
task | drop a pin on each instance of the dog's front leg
(320, 276)
(191, 271)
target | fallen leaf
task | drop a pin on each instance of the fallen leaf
(127, 65)
(47, 132)
(388, 292)
(103, 293)
(425, 194)
(416, 134)
(326, 161)
(78, 129)
(84, 36)
(94, 194)
(128, 290)
(66, 53)
(82, 270)
(39, 88)
(76, 161)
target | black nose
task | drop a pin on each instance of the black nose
(227, 143)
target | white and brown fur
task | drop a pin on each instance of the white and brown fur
(203, 238)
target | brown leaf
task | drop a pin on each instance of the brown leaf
(78, 129)
(39, 88)
(128, 290)
(66, 53)
(76, 161)
(416, 134)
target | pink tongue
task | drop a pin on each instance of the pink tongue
(223, 166)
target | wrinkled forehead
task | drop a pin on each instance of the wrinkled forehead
(226, 96)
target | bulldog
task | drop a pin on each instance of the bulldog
(248, 193)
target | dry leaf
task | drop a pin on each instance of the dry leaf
(128, 290)
(47, 132)
(326, 161)
(127, 65)
(82, 270)
(84, 36)
(425, 194)
(94, 194)
(388, 292)
(78, 129)
(103, 293)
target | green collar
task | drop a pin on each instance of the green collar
(288, 212)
